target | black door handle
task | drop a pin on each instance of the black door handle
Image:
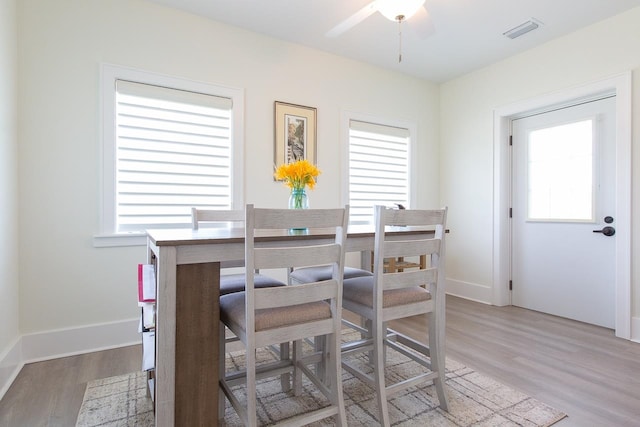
(607, 231)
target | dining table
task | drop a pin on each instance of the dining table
(187, 264)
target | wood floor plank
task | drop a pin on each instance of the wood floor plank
(50, 393)
(581, 369)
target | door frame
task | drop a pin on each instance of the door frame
(620, 85)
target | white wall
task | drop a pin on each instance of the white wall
(467, 104)
(52, 176)
(64, 281)
(9, 291)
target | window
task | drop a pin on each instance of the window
(169, 144)
(560, 173)
(379, 167)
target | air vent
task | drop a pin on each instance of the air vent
(523, 28)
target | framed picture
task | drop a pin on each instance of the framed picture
(295, 133)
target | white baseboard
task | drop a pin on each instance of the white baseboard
(635, 329)
(53, 344)
(10, 365)
(482, 294)
(470, 291)
(85, 339)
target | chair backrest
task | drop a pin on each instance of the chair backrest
(302, 251)
(219, 217)
(214, 216)
(430, 245)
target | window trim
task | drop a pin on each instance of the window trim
(109, 73)
(345, 119)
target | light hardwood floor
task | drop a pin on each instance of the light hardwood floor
(580, 369)
(50, 393)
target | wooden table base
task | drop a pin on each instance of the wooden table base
(197, 317)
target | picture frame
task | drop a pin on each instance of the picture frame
(295, 133)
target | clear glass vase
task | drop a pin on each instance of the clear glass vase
(298, 199)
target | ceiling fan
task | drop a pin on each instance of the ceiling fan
(395, 10)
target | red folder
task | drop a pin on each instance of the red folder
(146, 283)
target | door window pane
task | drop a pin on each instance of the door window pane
(560, 172)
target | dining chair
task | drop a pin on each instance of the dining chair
(235, 282)
(230, 283)
(388, 296)
(262, 317)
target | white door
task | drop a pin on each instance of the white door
(563, 220)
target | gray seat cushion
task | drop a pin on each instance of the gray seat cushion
(232, 283)
(317, 274)
(360, 291)
(232, 312)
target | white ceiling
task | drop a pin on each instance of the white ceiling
(468, 33)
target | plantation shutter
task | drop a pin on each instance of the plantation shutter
(378, 168)
(173, 151)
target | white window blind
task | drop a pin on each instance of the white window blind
(173, 151)
(378, 168)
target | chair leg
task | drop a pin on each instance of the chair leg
(437, 356)
(297, 372)
(285, 379)
(221, 371)
(368, 325)
(333, 367)
(378, 370)
(320, 345)
(385, 332)
(320, 367)
(251, 387)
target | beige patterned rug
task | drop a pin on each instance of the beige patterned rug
(474, 400)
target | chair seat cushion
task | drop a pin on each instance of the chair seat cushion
(317, 274)
(360, 291)
(232, 312)
(232, 283)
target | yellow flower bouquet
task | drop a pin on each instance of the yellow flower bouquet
(297, 176)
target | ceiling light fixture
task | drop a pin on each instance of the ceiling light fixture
(399, 11)
(522, 29)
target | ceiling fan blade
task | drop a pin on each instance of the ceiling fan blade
(421, 23)
(353, 20)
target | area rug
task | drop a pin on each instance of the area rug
(474, 400)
